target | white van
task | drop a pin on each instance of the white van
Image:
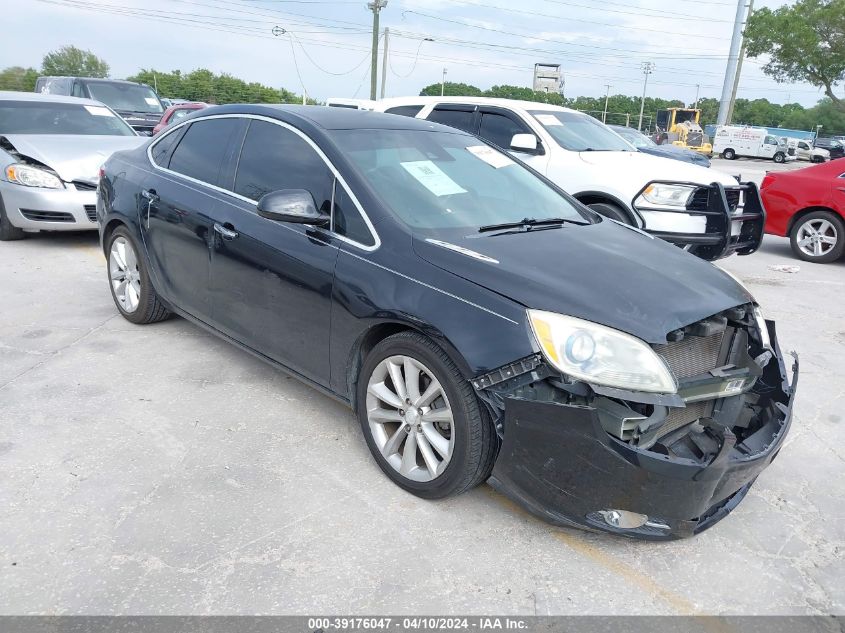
(731, 141)
(702, 210)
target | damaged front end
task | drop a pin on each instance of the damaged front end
(647, 465)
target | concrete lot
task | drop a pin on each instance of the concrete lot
(158, 470)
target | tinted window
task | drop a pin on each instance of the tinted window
(499, 129)
(201, 150)
(161, 150)
(347, 220)
(408, 110)
(453, 118)
(275, 158)
(127, 97)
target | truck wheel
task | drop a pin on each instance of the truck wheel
(729, 154)
(8, 232)
(818, 237)
(610, 211)
(779, 157)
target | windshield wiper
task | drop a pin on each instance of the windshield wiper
(528, 223)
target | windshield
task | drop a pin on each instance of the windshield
(637, 139)
(438, 182)
(580, 132)
(38, 117)
(126, 97)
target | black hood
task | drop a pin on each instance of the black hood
(604, 273)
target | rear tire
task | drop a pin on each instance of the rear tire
(818, 237)
(434, 449)
(129, 280)
(729, 154)
(8, 232)
(610, 211)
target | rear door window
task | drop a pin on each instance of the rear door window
(202, 149)
(405, 110)
(461, 119)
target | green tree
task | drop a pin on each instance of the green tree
(203, 85)
(451, 89)
(804, 42)
(72, 61)
(18, 78)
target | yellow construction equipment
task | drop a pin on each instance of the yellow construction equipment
(681, 127)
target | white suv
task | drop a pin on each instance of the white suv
(707, 212)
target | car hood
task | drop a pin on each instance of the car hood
(648, 168)
(671, 151)
(605, 273)
(73, 157)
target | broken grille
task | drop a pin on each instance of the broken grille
(692, 355)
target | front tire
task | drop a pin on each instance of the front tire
(818, 237)
(8, 232)
(129, 281)
(610, 211)
(421, 419)
(779, 157)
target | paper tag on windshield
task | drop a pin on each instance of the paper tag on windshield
(98, 110)
(432, 178)
(490, 156)
(548, 119)
(151, 101)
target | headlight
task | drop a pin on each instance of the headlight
(601, 355)
(663, 195)
(764, 331)
(30, 176)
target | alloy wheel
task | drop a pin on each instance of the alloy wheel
(124, 274)
(817, 237)
(410, 418)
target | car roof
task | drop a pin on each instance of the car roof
(93, 79)
(8, 95)
(488, 101)
(329, 118)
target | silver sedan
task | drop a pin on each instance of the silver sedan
(51, 150)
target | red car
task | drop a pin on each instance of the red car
(808, 207)
(176, 112)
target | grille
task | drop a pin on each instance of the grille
(81, 185)
(91, 212)
(698, 201)
(677, 418)
(692, 355)
(695, 139)
(47, 216)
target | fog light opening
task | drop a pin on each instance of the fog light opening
(622, 519)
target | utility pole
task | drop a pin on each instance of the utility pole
(648, 68)
(376, 6)
(384, 62)
(731, 70)
(697, 89)
(606, 97)
(739, 67)
(443, 82)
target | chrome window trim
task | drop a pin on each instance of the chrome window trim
(338, 177)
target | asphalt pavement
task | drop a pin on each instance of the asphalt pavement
(159, 470)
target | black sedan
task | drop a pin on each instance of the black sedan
(647, 146)
(479, 321)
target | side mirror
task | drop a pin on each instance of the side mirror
(524, 143)
(291, 205)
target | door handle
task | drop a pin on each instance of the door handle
(225, 233)
(151, 197)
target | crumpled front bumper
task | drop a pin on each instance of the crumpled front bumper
(558, 462)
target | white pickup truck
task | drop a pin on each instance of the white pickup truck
(702, 210)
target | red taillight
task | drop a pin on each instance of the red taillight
(102, 172)
(769, 179)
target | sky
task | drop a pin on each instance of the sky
(325, 47)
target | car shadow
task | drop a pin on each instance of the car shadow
(64, 239)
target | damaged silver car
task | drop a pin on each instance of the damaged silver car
(51, 149)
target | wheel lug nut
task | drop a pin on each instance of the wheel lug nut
(402, 412)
